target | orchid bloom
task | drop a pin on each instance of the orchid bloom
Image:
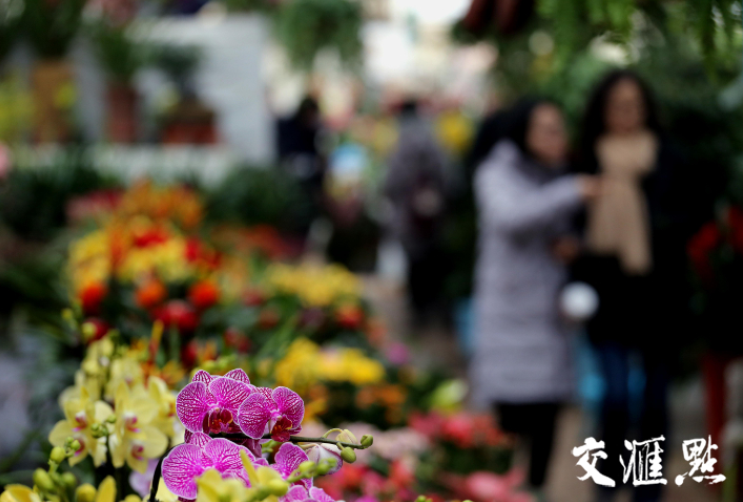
(317, 452)
(188, 461)
(81, 412)
(301, 494)
(278, 412)
(135, 439)
(19, 493)
(210, 404)
(213, 488)
(287, 461)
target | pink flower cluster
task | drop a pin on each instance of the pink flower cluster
(231, 405)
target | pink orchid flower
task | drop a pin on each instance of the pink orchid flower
(287, 460)
(210, 404)
(301, 494)
(278, 412)
(186, 462)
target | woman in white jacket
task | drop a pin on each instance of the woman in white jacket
(521, 363)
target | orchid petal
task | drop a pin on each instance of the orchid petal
(181, 468)
(288, 459)
(202, 376)
(290, 405)
(297, 493)
(319, 495)
(239, 375)
(192, 405)
(229, 393)
(224, 455)
(197, 438)
(253, 415)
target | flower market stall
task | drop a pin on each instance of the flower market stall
(219, 362)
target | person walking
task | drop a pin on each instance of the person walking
(521, 362)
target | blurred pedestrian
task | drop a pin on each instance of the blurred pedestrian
(525, 204)
(416, 185)
(635, 259)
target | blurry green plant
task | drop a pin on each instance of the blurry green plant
(178, 62)
(307, 27)
(119, 54)
(16, 109)
(51, 26)
(249, 5)
(252, 195)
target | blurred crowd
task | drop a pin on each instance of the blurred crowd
(562, 232)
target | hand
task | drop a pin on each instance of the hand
(566, 249)
(589, 187)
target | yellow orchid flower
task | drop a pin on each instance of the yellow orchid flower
(135, 439)
(81, 412)
(125, 369)
(19, 493)
(163, 494)
(265, 483)
(106, 492)
(158, 392)
(213, 488)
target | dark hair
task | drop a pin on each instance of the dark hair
(408, 107)
(594, 118)
(519, 120)
(307, 109)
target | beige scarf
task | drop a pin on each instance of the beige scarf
(618, 220)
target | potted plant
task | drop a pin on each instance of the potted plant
(121, 56)
(51, 26)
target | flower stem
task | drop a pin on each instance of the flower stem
(296, 439)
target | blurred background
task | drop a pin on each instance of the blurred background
(539, 203)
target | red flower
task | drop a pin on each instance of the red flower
(94, 329)
(699, 248)
(254, 298)
(178, 314)
(189, 354)
(203, 294)
(198, 252)
(349, 316)
(150, 237)
(91, 297)
(236, 340)
(151, 294)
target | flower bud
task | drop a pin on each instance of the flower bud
(132, 498)
(307, 466)
(278, 487)
(367, 440)
(43, 480)
(75, 445)
(69, 480)
(323, 468)
(348, 455)
(85, 493)
(58, 455)
(347, 437)
(111, 419)
(325, 453)
(89, 330)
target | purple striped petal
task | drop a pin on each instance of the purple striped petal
(224, 455)
(290, 405)
(239, 375)
(297, 493)
(202, 376)
(253, 415)
(181, 468)
(319, 495)
(192, 405)
(229, 393)
(198, 438)
(266, 391)
(287, 461)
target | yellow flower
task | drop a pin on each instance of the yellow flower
(163, 494)
(212, 488)
(135, 439)
(106, 492)
(165, 420)
(124, 369)
(98, 357)
(265, 483)
(81, 412)
(19, 493)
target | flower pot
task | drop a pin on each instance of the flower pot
(191, 122)
(121, 113)
(53, 91)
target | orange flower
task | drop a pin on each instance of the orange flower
(91, 297)
(151, 294)
(349, 316)
(203, 294)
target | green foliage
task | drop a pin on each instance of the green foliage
(178, 62)
(52, 26)
(33, 199)
(119, 55)
(306, 27)
(252, 196)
